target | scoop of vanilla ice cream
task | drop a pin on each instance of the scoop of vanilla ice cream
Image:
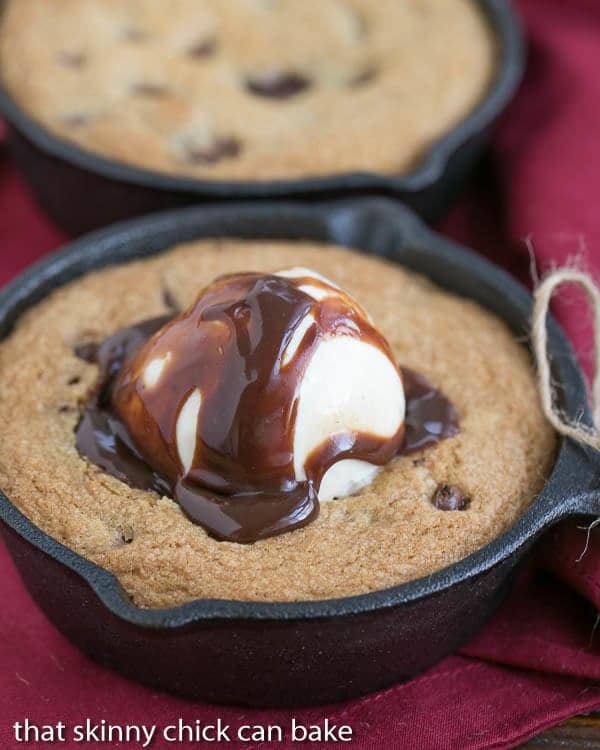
(332, 373)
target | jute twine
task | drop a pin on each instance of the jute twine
(542, 297)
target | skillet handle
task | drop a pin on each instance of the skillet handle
(576, 483)
(585, 504)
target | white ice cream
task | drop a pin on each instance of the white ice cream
(349, 385)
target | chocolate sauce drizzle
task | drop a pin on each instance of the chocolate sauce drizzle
(239, 439)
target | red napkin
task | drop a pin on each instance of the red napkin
(538, 661)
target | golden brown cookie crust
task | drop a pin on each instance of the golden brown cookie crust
(387, 534)
(128, 79)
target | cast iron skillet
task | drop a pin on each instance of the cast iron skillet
(82, 191)
(303, 652)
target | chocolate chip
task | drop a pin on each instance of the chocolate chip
(65, 408)
(169, 300)
(153, 90)
(127, 538)
(135, 35)
(418, 461)
(72, 59)
(449, 497)
(87, 352)
(203, 48)
(365, 76)
(277, 84)
(75, 120)
(361, 26)
(221, 148)
(74, 380)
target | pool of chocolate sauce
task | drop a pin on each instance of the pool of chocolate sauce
(247, 514)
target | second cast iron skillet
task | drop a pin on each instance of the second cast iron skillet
(305, 652)
(81, 190)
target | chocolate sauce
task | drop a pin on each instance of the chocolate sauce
(249, 516)
(103, 439)
(101, 436)
(233, 337)
(430, 417)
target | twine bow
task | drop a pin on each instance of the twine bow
(542, 298)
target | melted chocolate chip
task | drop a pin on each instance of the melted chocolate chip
(449, 497)
(151, 90)
(278, 84)
(75, 380)
(88, 352)
(135, 35)
(430, 417)
(203, 49)
(221, 148)
(76, 120)
(366, 76)
(361, 26)
(72, 59)
(169, 300)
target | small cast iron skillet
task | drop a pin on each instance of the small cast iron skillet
(305, 652)
(82, 191)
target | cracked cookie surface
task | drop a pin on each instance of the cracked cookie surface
(389, 533)
(249, 89)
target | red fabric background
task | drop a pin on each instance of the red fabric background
(538, 661)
